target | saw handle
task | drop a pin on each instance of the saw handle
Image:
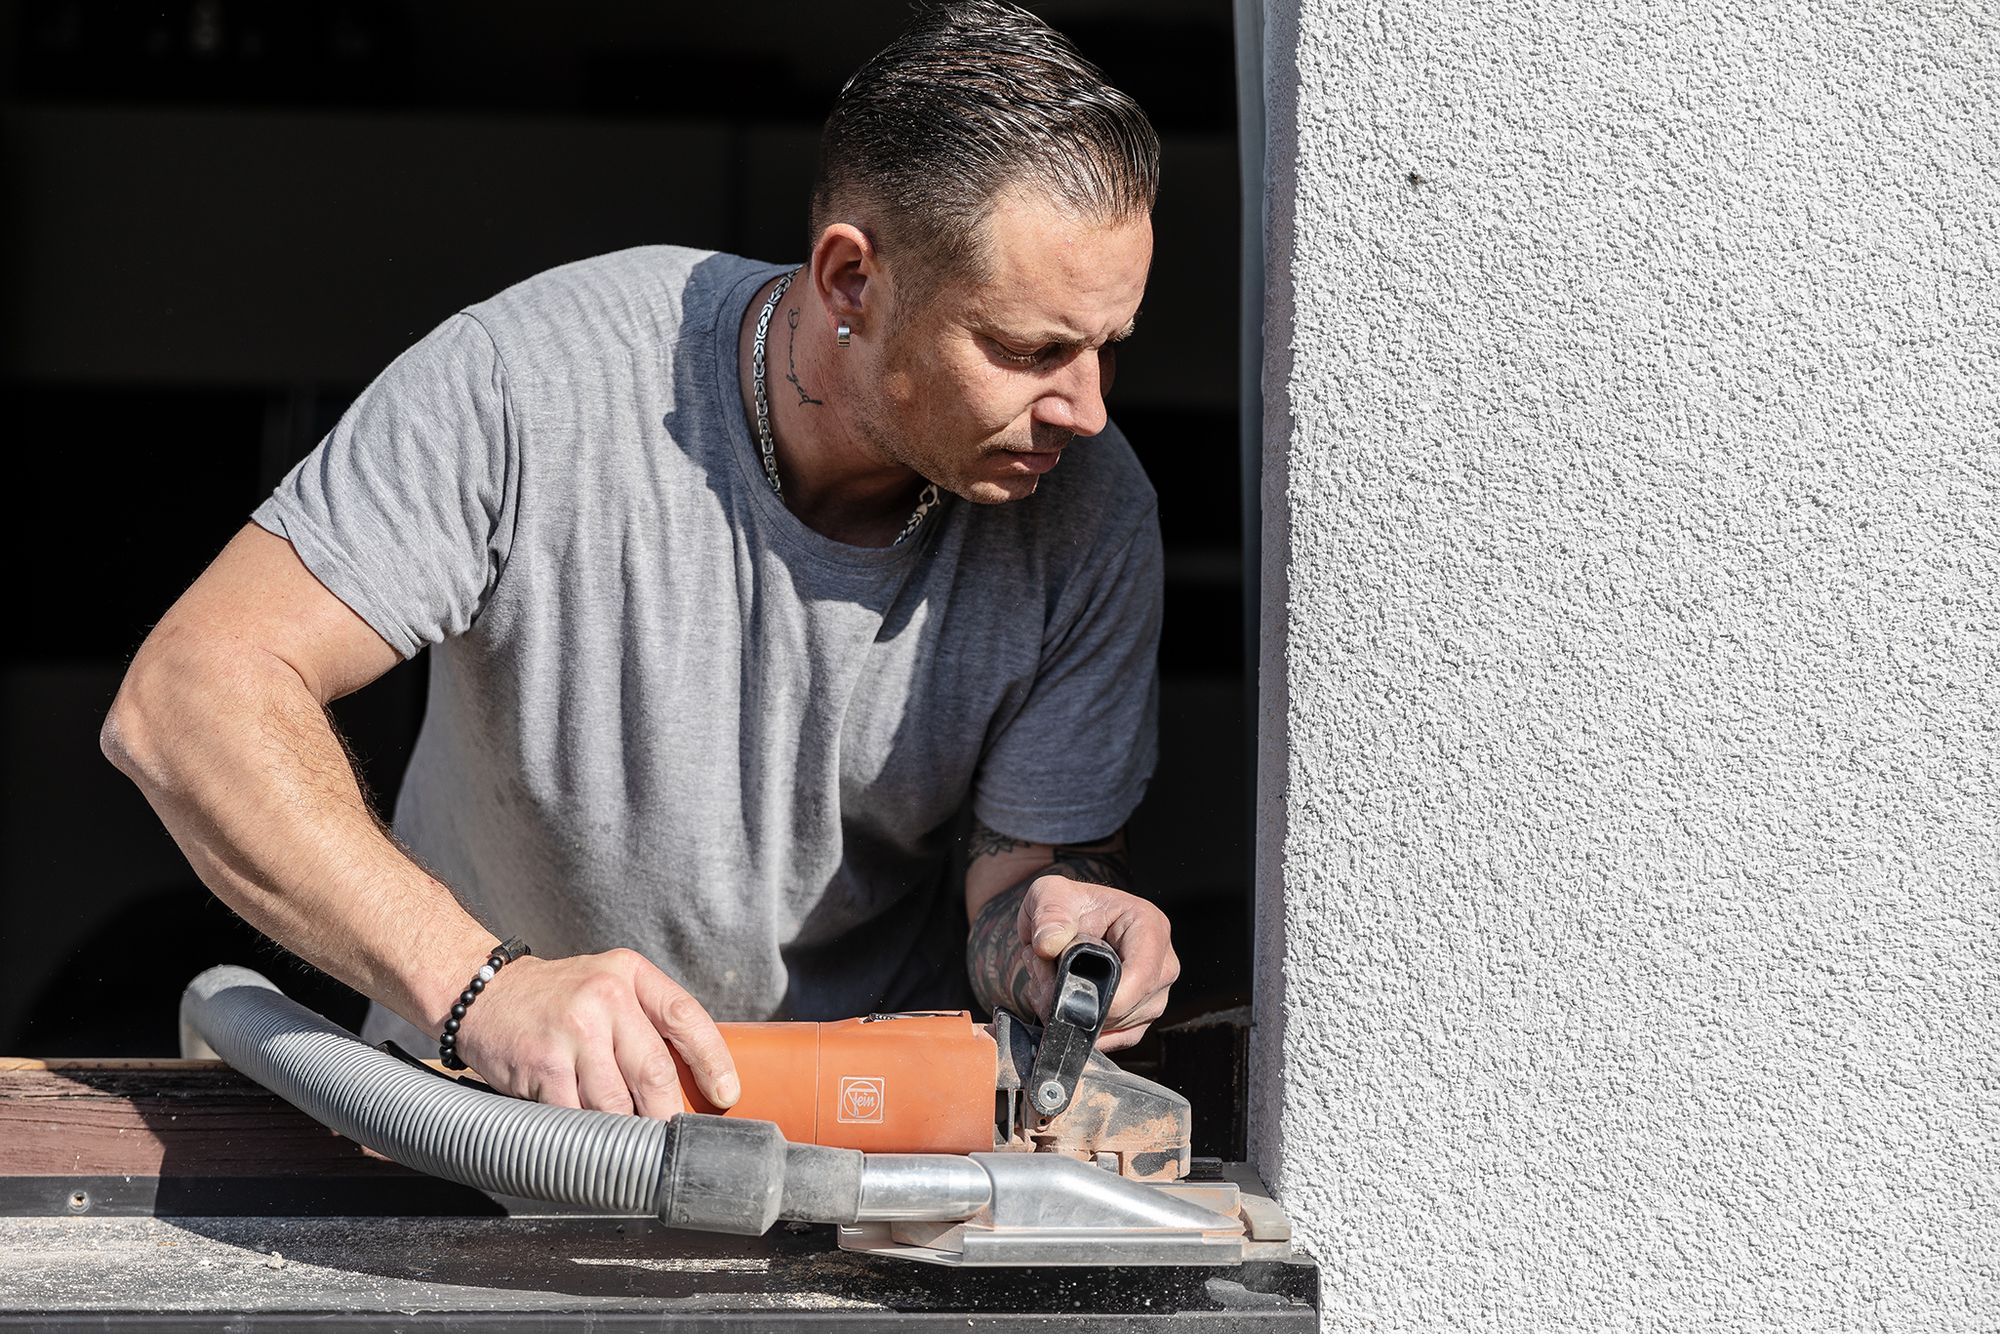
(1086, 980)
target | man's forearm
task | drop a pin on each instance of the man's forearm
(243, 767)
(998, 961)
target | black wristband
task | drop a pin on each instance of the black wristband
(503, 954)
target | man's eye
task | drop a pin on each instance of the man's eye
(1035, 358)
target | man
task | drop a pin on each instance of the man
(741, 582)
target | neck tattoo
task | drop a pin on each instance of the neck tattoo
(792, 359)
(768, 448)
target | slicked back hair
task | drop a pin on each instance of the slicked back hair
(974, 97)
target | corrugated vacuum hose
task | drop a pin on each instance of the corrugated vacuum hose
(706, 1172)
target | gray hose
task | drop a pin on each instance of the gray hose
(717, 1174)
(593, 1159)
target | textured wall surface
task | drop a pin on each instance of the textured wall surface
(1631, 890)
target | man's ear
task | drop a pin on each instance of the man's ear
(847, 275)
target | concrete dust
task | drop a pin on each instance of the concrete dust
(101, 1264)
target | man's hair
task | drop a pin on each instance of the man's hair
(974, 97)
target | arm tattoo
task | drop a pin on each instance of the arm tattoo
(995, 958)
(1097, 866)
(988, 842)
(999, 965)
(792, 359)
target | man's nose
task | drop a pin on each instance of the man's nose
(1076, 400)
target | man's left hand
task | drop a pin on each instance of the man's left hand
(1057, 911)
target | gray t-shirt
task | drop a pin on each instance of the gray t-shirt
(664, 713)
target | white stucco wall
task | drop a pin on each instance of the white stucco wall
(1630, 888)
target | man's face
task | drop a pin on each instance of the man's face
(984, 384)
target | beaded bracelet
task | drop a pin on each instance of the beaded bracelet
(502, 955)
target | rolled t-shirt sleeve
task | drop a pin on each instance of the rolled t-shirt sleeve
(406, 509)
(1072, 763)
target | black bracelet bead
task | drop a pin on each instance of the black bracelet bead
(502, 955)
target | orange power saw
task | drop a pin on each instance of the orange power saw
(924, 1136)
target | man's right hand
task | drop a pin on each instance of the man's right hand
(598, 1031)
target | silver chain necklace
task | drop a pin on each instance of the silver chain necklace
(768, 448)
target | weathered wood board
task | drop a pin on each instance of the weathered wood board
(177, 1137)
(188, 1118)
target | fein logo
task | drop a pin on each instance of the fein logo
(861, 1098)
